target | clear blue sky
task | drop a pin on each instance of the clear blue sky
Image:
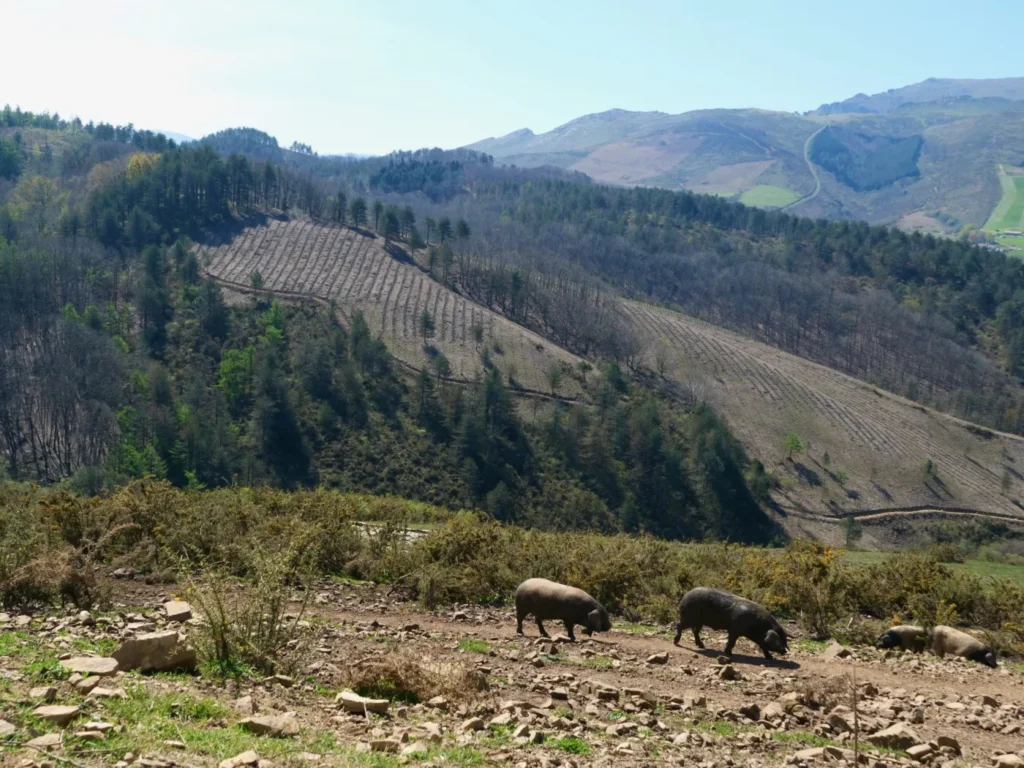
(378, 75)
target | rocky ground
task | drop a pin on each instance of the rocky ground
(73, 692)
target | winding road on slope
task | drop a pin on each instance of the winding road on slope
(812, 169)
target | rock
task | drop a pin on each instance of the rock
(989, 701)
(96, 725)
(271, 725)
(949, 741)
(1009, 760)
(124, 573)
(283, 680)
(91, 665)
(694, 699)
(56, 714)
(750, 711)
(43, 693)
(87, 735)
(108, 693)
(416, 748)
(22, 621)
(896, 736)
(728, 672)
(155, 651)
(839, 723)
(385, 745)
(87, 685)
(438, 702)
(772, 711)
(814, 753)
(177, 610)
(920, 752)
(791, 700)
(246, 758)
(559, 694)
(244, 705)
(85, 619)
(46, 740)
(473, 724)
(836, 651)
(353, 702)
(6, 728)
(658, 658)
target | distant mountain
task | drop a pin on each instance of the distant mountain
(932, 89)
(180, 138)
(925, 157)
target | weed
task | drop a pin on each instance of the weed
(474, 645)
(718, 727)
(801, 737)
(807, 645)
(572, 745)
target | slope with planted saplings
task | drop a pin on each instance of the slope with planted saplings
(357, 271)
(320, 652)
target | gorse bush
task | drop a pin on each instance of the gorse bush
(262, 543)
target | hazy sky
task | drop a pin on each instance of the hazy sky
(378, 75)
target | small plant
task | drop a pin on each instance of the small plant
(573, 745)
(792, 444)
(474, 645)
(256, 280)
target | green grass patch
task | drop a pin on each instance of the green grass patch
(597, 662)
(450, 755)
(809, 646)
(802, 737)
(769, 196)
(974, 567)
(386, 689)
(718, 727)
(103, 646)
(572, 745)
(1009, 211)
(17, 645)
(474, 645)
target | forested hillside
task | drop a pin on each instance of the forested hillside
(120, 360)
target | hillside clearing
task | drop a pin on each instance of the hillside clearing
(879, 446)
(1009, 212)
(352, 269)
(768, 196)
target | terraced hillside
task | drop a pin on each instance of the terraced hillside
(352, 268)
(867, 450)
(879, 445)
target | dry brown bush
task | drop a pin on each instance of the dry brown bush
(401, 675)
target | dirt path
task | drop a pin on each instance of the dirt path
(812, 169)
(934, 698)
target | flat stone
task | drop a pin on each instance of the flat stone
(728, 672)
(353, 702)
(96, 725)
(244, 705)
(283, 680)
(178, 610)
(43, 693)
(57, 714)
(6, 728)
(156, 651)
(949, 741)
(750, 711)
(1009, 760)
(836, 651)
(246, 758)
(919, 752)
(473, 724)
(90, 735)
(385, 745)
(658, 658)
(416, 748)
(47, 740)
(108, 693)
(896, 736)
(814, 753)
(271, 725)
(91, 665)
(86, 685)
